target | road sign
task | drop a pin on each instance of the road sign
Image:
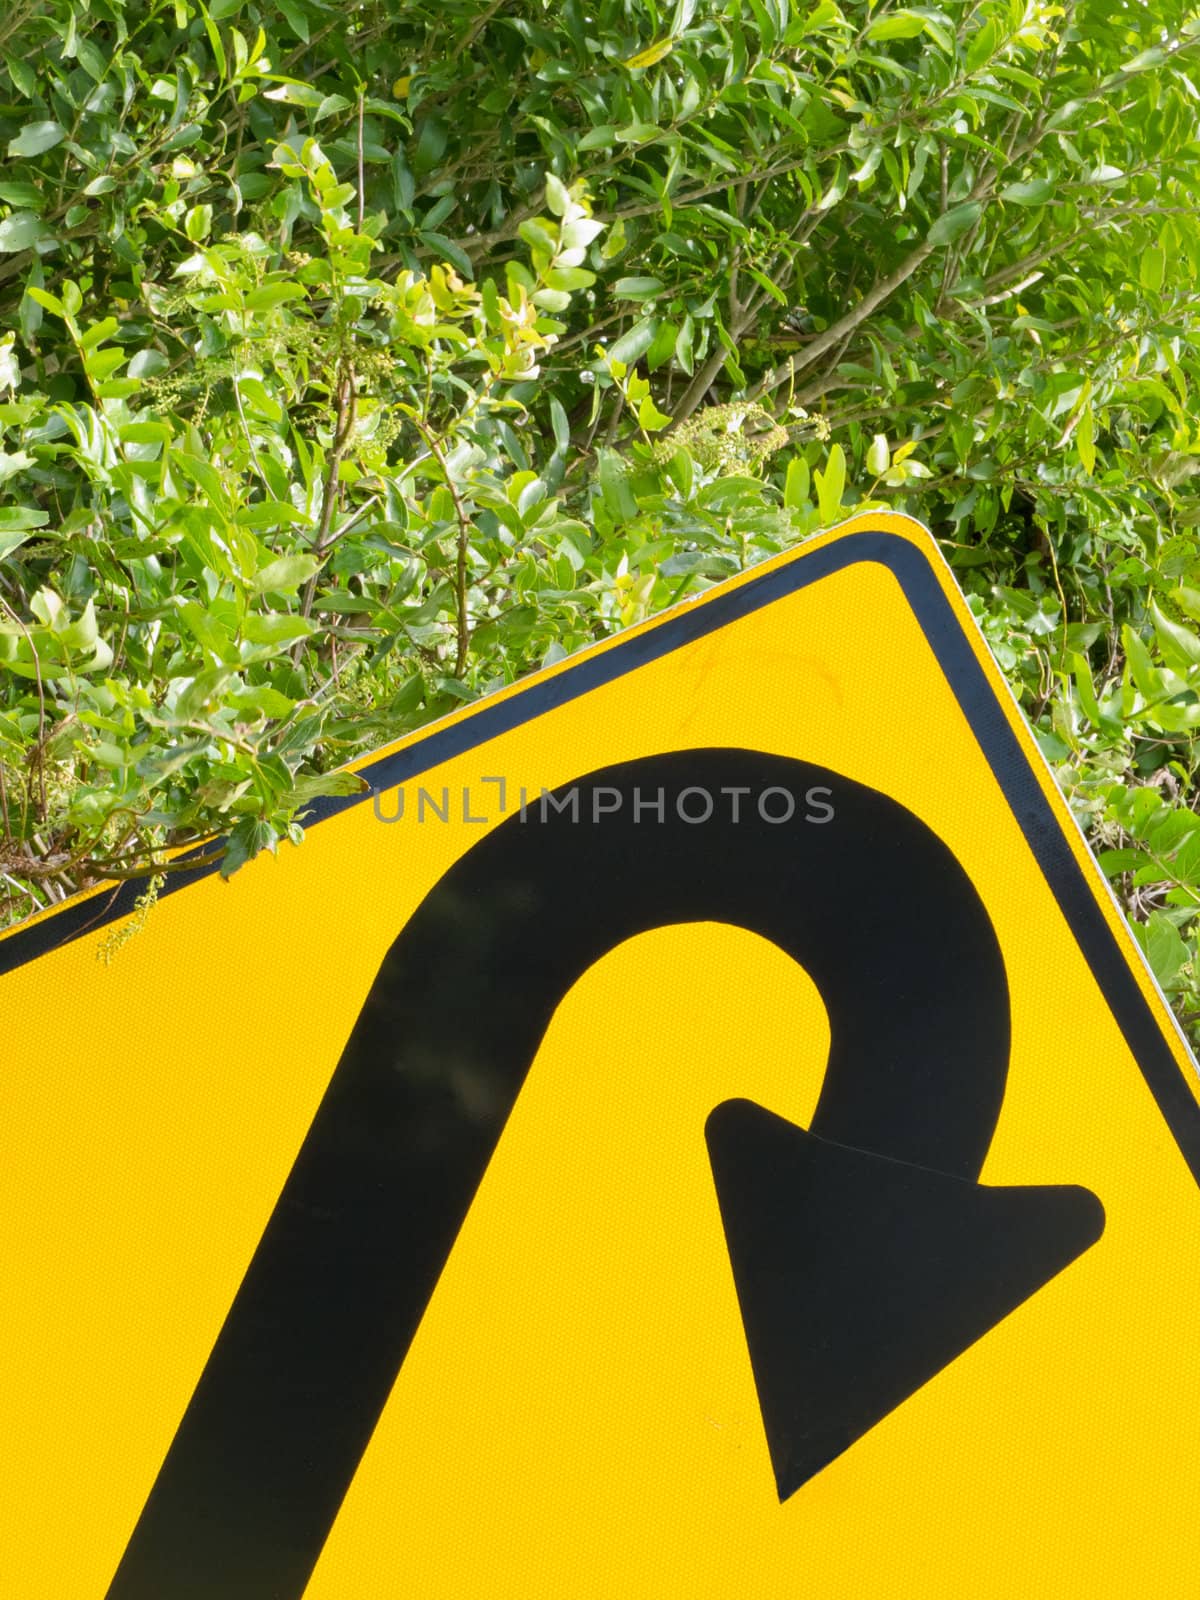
(700, 1127)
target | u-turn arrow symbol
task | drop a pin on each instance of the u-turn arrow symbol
(865, 1254)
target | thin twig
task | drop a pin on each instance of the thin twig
(347, 397)
(40, 749)
(480, 24)
(121, 874)
(362, 187)
(24, 889)
(463, 628)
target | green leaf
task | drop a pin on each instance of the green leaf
(898, 25)
(295, 18)
(1114, 862)
(1146, 675)
(830, 485)
(709, 563)
(19, 518)
(570, 278)
(878, 456)
(682, 473)
(652, 53)
(22, 74)
(112, 756)
(768, 285)
(1034, 193)
(276, 627)
(1144, 60)
(261, 398)
(214, 39)
(330, 105)
(1084, 687)
(663, 346)
(262, 700)
(634, 344)
(26, 196)
(20, 231)
(251, 836)
(43, 297)
(557, 197)
(560, 425)
(1164, 947)
(37, 137)
(1152, 268)
(1185, 864)
(327, 783)
(953, 223)
(835, 191)
(98, 332)
(147, 364)
(204, 475)
(29, 313)
(870, 166)
(796, 484)
(983, 45)
(101, 364)
(11, 539)
(198, 222)
(1179, 645)
(285, 574)
(453, 253)
(637, 288)
(638, 133)
(820, 17)
(11, 465)
(296, 94)
(600, 138)
(650, 417)
(539, 236)
(1085, 439)
(619, 498)
(272, 295)
(145, 433)
(431, 145)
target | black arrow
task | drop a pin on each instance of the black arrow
(889, 927)
(859, 1278)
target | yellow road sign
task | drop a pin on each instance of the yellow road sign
(699, 1128)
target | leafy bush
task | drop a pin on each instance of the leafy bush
(358, 359)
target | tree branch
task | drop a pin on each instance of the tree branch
(839, 331)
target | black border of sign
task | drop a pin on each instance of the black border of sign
(912, 569)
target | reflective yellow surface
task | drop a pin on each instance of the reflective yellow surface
(577, 1416)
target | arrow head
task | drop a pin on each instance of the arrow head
(859, 1278)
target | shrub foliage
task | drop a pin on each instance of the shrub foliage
(356, 359)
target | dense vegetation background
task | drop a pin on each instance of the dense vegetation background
(357, 358)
